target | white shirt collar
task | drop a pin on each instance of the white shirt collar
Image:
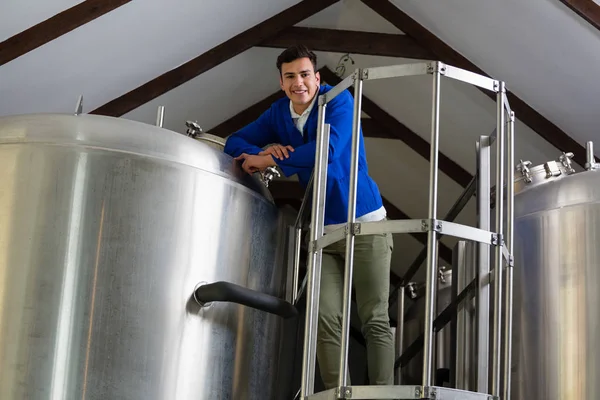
(308, 109)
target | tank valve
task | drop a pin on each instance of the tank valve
(269, 174)
(565, 159)
(193, 130)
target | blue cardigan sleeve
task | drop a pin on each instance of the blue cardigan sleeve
(338, 115)
(253, 137)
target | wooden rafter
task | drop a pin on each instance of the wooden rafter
(542, 126)
(54, 27)
(343, 41)
(215, 56)
(586, 9)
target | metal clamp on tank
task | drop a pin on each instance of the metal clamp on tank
(269, 174)
(193, 130)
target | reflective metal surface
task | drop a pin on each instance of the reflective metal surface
(106, 227)
(557, 280)
(414, 326)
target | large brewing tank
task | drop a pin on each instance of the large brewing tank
(557, 282)
(107, 228)
(414, 326)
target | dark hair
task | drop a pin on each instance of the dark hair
(295, 52)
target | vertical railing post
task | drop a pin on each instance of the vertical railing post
(399, 332)
(498, 265)
(482, 304)
(432, 261)
(348, 271)
(508, 313)
(315, 255)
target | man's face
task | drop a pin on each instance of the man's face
(299, 82)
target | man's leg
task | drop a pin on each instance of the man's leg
(330, 317)
(372, 257)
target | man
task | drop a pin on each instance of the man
(291, 124)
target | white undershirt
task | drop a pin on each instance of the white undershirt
(299, 122)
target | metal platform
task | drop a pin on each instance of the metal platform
(399, 393)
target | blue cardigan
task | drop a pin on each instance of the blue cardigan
(275, 125)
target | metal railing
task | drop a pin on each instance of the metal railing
(432, 226)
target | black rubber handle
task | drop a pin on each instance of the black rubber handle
(230, 292)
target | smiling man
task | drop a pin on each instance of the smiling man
(290, 125)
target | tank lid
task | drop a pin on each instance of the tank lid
(123, 135)
(527, 176)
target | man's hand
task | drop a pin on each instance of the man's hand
(278, 150)
(252, 163)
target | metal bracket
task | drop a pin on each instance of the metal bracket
(364, 73)
(431, 225)
(430, 393)
(343, 392)
(497, 88)
(497, 240)
(436, 66)
(511, 261)
(355, 228)
(417, 393)
(312, 246)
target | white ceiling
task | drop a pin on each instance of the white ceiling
(19, 15)
(122, 50)
(546, 54)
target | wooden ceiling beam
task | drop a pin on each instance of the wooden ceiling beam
(354, 42)
(586, 9)
(54, 27)
(215, 56)
(537, 122)
(402, 132)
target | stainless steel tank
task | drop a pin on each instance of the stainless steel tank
(557, 282)
(107, 229)
(414, 319)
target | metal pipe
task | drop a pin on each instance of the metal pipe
(296, 267)
(347, 297)
(497, 334)
(79, 105)
(298, 240)
(432, 234)
(508, 313)
(399, 332)
(160, 116)
(590, 159)
(482, 303)
(314, 260)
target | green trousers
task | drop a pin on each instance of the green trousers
(371, 279)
